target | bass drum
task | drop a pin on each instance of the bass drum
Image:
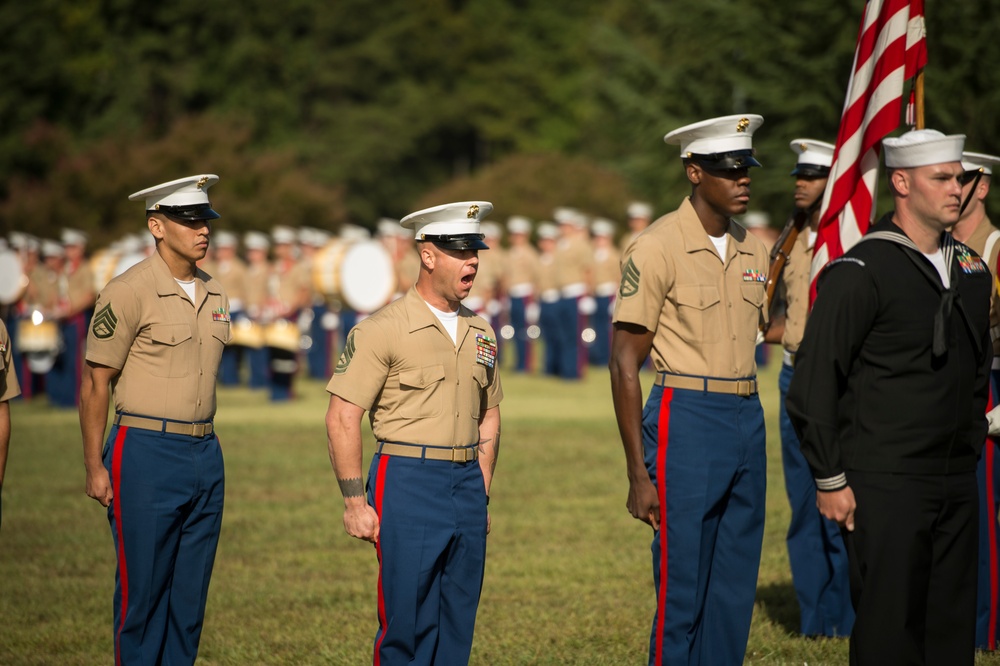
(13, 281)
(283, 334)
(102, 267)
(361, 274)
(40, 343)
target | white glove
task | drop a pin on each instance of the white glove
(993, 420)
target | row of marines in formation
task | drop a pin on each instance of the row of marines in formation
(886, 382)
(557, 289)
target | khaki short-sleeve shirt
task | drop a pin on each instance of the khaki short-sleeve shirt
(417, 385)
(574, 258)
(796, 279)
(167, 348)
(9, 387)
(522, 266)
(978, 241)
(705, 313)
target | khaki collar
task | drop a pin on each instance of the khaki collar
(419, 315)
(696, 239)
(166, 285)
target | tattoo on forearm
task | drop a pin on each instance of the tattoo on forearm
(495, 449)
(352, 487)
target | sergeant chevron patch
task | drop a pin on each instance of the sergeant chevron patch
(104, 324)
(630, 279)
(345, 356)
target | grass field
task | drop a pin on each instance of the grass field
(568, 578)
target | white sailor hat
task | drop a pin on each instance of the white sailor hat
(922, 147)
(979, 162)
(815, 158)
(602, 227)
(256, 240)
(224, 238)
(453, 226)
(73, 237)
(640, 209)
(756, 219)
(518, 224)
(51, 248)
(719, 143)
(283, 235)
(548, 231)
(186, 198)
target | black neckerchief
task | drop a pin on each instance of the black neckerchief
(950, 298)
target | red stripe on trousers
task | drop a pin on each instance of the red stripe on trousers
(116, 486)
(379, 491)
(662, 440)
(991, 523)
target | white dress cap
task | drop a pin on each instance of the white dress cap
(283, 235)
(256, 240)
(602, 227)
(640, 209)
(571, 216)
(224, 239)
(185, 196)
(548, 231)
(491, 230)
(977, 161)
(922, 148)
(756, 219)
(354, 232)
(51, 248)
(716, 135)
(387, 227)
(73, 237)
(460, 218)
(813, 156)
(518, 224)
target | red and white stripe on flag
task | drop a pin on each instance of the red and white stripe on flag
(891, 49)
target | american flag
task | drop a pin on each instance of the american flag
(892, 48)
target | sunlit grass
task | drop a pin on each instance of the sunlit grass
(568, 576)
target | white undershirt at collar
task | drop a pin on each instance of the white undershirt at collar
(448, 319)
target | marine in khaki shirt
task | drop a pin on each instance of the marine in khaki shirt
(156, 340)
(692, 296)
(425, 368)
(975, 230)
(822, 584)
(9, 390)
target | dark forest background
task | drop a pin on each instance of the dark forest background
(321, 113)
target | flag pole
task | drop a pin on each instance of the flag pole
(919, 102)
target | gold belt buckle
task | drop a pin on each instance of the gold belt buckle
(457, 455)
(198, 429)
(744, 387)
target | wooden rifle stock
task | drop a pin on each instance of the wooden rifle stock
(781, 251)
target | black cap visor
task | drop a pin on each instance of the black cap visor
(730, 161)
(456, 241)
(811, 171)
(193, 212)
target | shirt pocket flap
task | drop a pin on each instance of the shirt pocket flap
(170, 334)
(753, 293)
(479, 375)
(698, 296)
(419, 378)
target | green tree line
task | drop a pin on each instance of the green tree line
(322, 113)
